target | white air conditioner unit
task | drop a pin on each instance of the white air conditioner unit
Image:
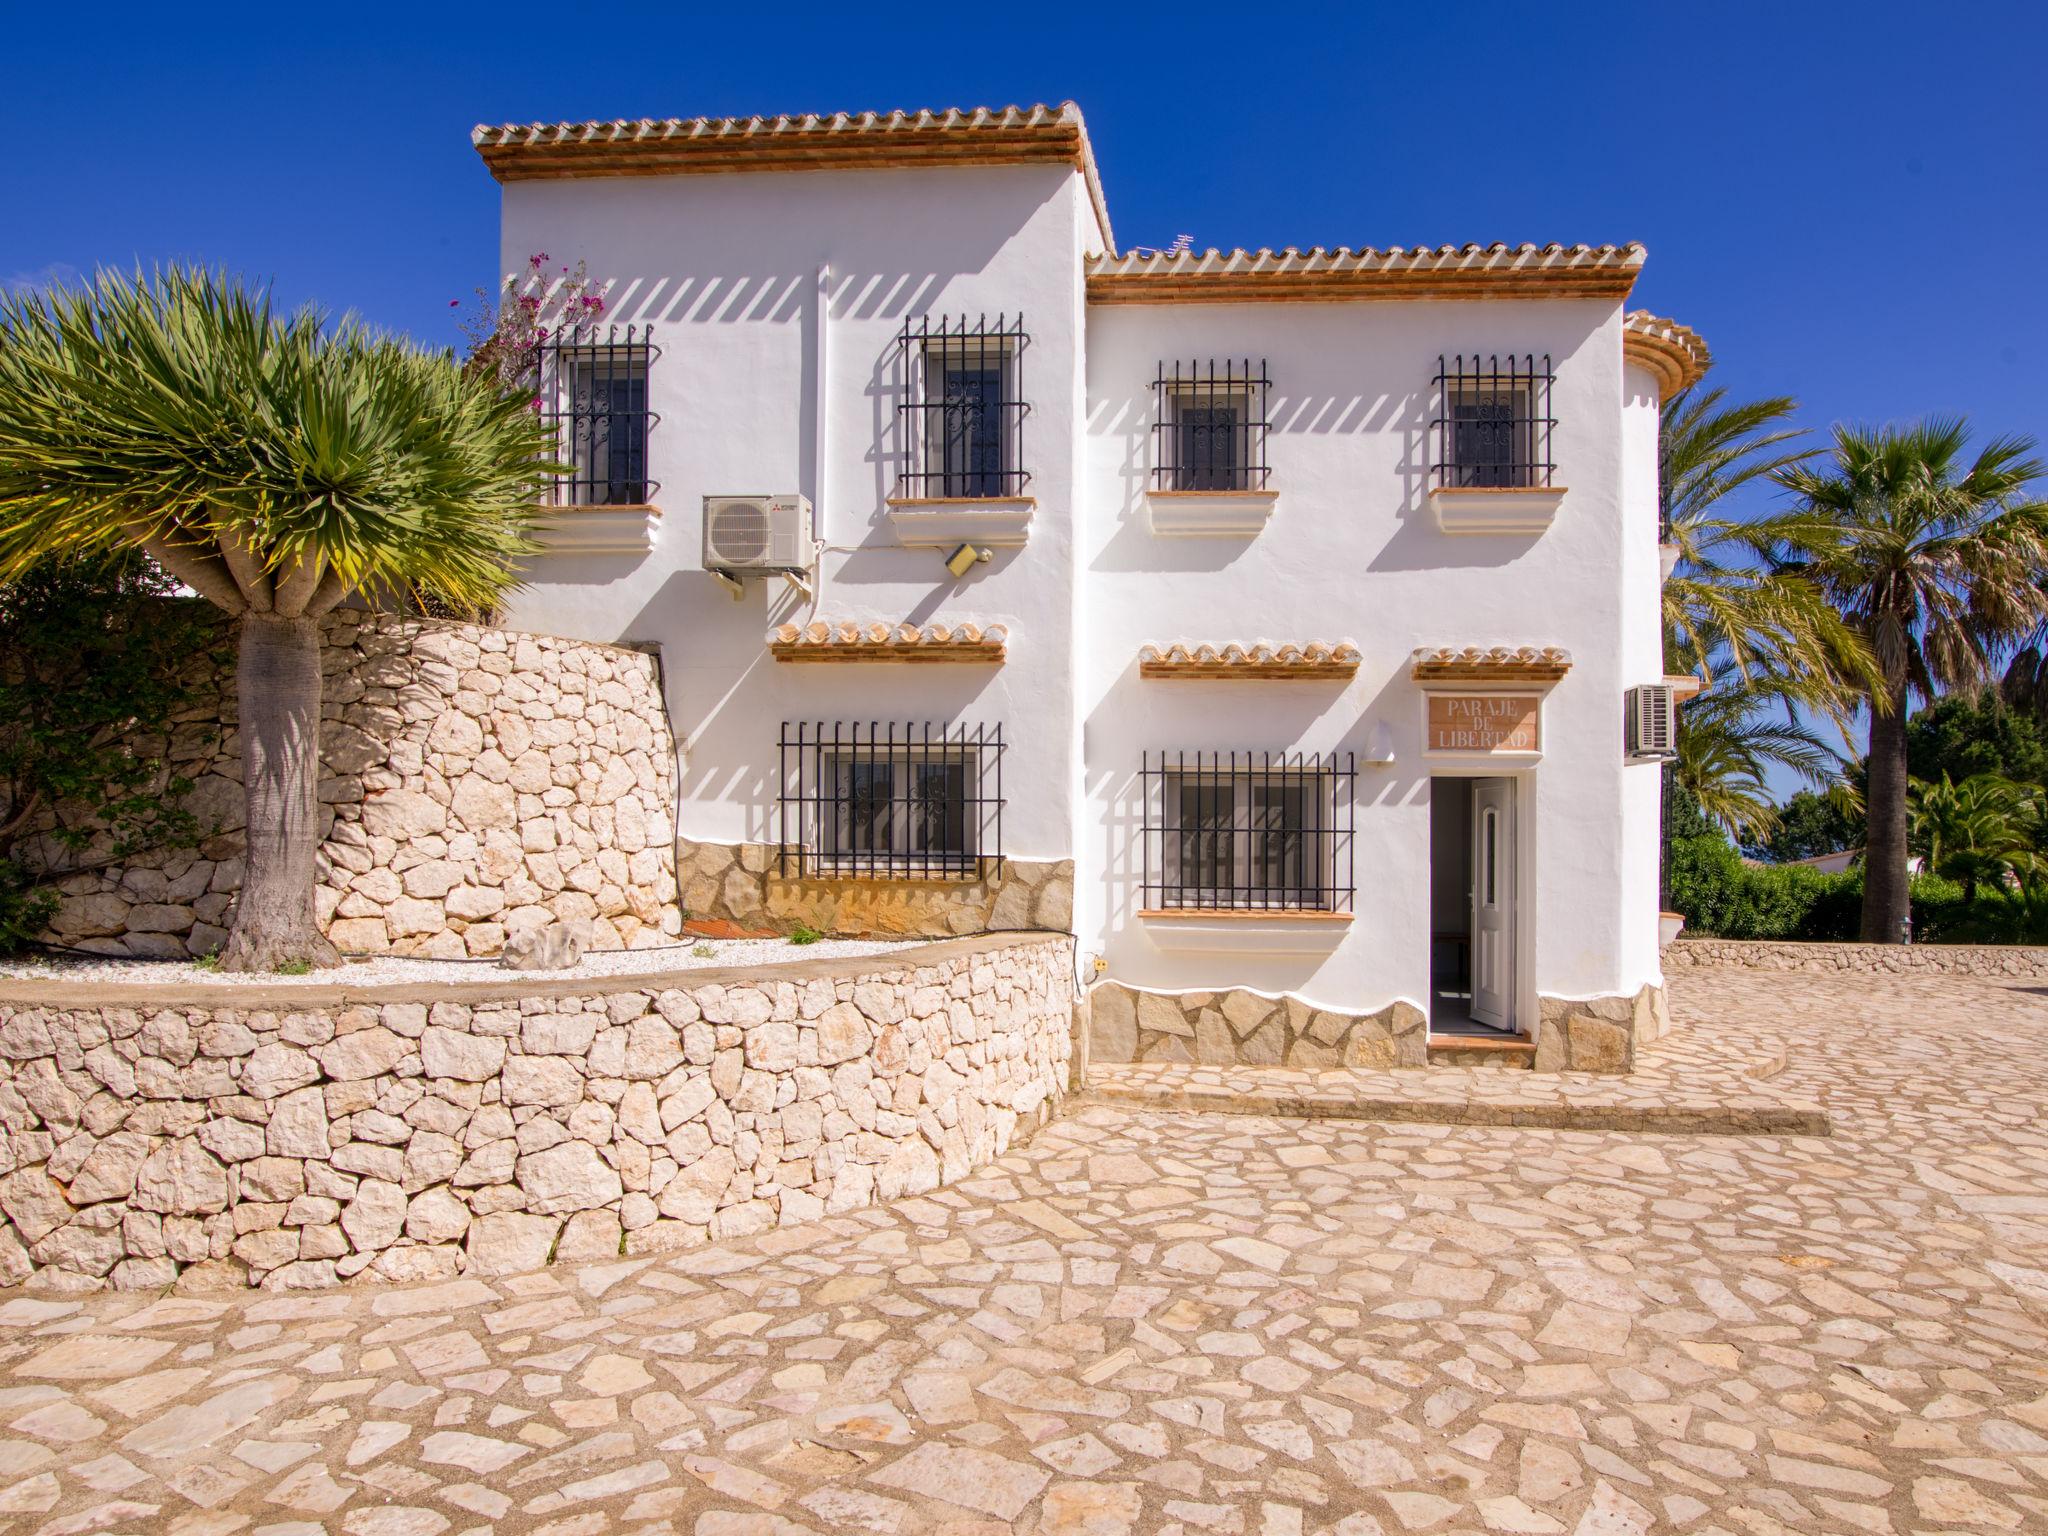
(1652, 723)
(769, 534)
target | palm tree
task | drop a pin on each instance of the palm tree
(275, 465)
(1769, 647)
(1937, 564)
(1728, 740)
(1731, 614)
(1979, 831)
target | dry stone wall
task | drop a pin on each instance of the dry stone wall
(300, 1137)
(742, 884)
(1599, 1034)
(475, 781)
(1248, 1028)
(1987, 960)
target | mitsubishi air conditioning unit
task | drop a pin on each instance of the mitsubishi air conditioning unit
(758, 535)
(1652, 723)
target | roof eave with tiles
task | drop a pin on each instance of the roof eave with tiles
(1037, 134)
(1675, 355)
(1255, 659)
(853, 642)
(1495, 663)
(1391, 272)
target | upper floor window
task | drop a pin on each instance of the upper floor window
(1248, 831)
(1209, 430)
(1493, 422)
(592, 390)
(963, 407)
(890, 801)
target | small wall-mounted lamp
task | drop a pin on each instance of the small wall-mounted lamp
(1379, 747)
(966, 557)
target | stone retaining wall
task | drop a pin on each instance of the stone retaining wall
(474, 781)
(299, 1136)
(1240, 1026)
(1599, 1034)
(1990, 960)
(741, 884)
(1244, 1028)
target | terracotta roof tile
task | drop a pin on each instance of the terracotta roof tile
(1675, 353)
(1364, 272)
(1258, 658)
(1490, 663)
(849, 641)
(796, 141)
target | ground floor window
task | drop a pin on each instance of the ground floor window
(1248, 831)
(885, 800)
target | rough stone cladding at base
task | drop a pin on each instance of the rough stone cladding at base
(474, 781)
(297, 1143)
(739, 883)
(1600, 1034)
(1249, 1028)
(1946, 959)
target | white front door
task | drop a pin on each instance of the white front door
(1493, 902)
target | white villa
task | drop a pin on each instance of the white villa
(1284, 624)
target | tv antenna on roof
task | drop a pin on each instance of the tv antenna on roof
(1182, 244)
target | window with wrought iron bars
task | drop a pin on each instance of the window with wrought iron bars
(1248, 831)
(1493, 422)
(963, 406)
(592, 388)
(1209, 429)
(891, 800)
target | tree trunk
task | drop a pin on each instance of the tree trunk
(277, 685)
(1887, 889)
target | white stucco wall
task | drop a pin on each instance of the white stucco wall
(726, 269)
(1353, 553)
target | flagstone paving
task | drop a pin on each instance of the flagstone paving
(1148, 1322)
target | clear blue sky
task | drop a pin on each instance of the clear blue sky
(1850, 201)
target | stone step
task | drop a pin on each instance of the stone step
(1513, 1052)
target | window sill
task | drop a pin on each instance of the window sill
(1248, 914)
(1495, 509)
(1268, 931)
(597, 530)
(940, 522)
(1209, 514)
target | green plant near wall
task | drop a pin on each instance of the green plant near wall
(95, 658)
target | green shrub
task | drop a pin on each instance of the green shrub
(803, 933)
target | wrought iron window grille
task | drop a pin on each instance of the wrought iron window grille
(1209, 427)
(1248, 831)
(591, 383)
(1493, 422)
(963, 406)
(890, 801)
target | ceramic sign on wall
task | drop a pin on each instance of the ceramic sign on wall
(1488, 724)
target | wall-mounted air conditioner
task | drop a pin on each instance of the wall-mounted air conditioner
(758, 535)
(1652, 725)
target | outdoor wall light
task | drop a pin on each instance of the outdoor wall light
(1379, 747)
(966, 557)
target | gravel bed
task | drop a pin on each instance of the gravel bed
(383, 970)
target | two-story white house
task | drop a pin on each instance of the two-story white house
(1284, 624)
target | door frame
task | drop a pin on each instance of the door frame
(1522, 777)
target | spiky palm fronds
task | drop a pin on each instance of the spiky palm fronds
(1730, 614)
(261, 458)
(1729, 741)
(1935, 561)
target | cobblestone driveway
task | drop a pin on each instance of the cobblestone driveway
(1151, 1323)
